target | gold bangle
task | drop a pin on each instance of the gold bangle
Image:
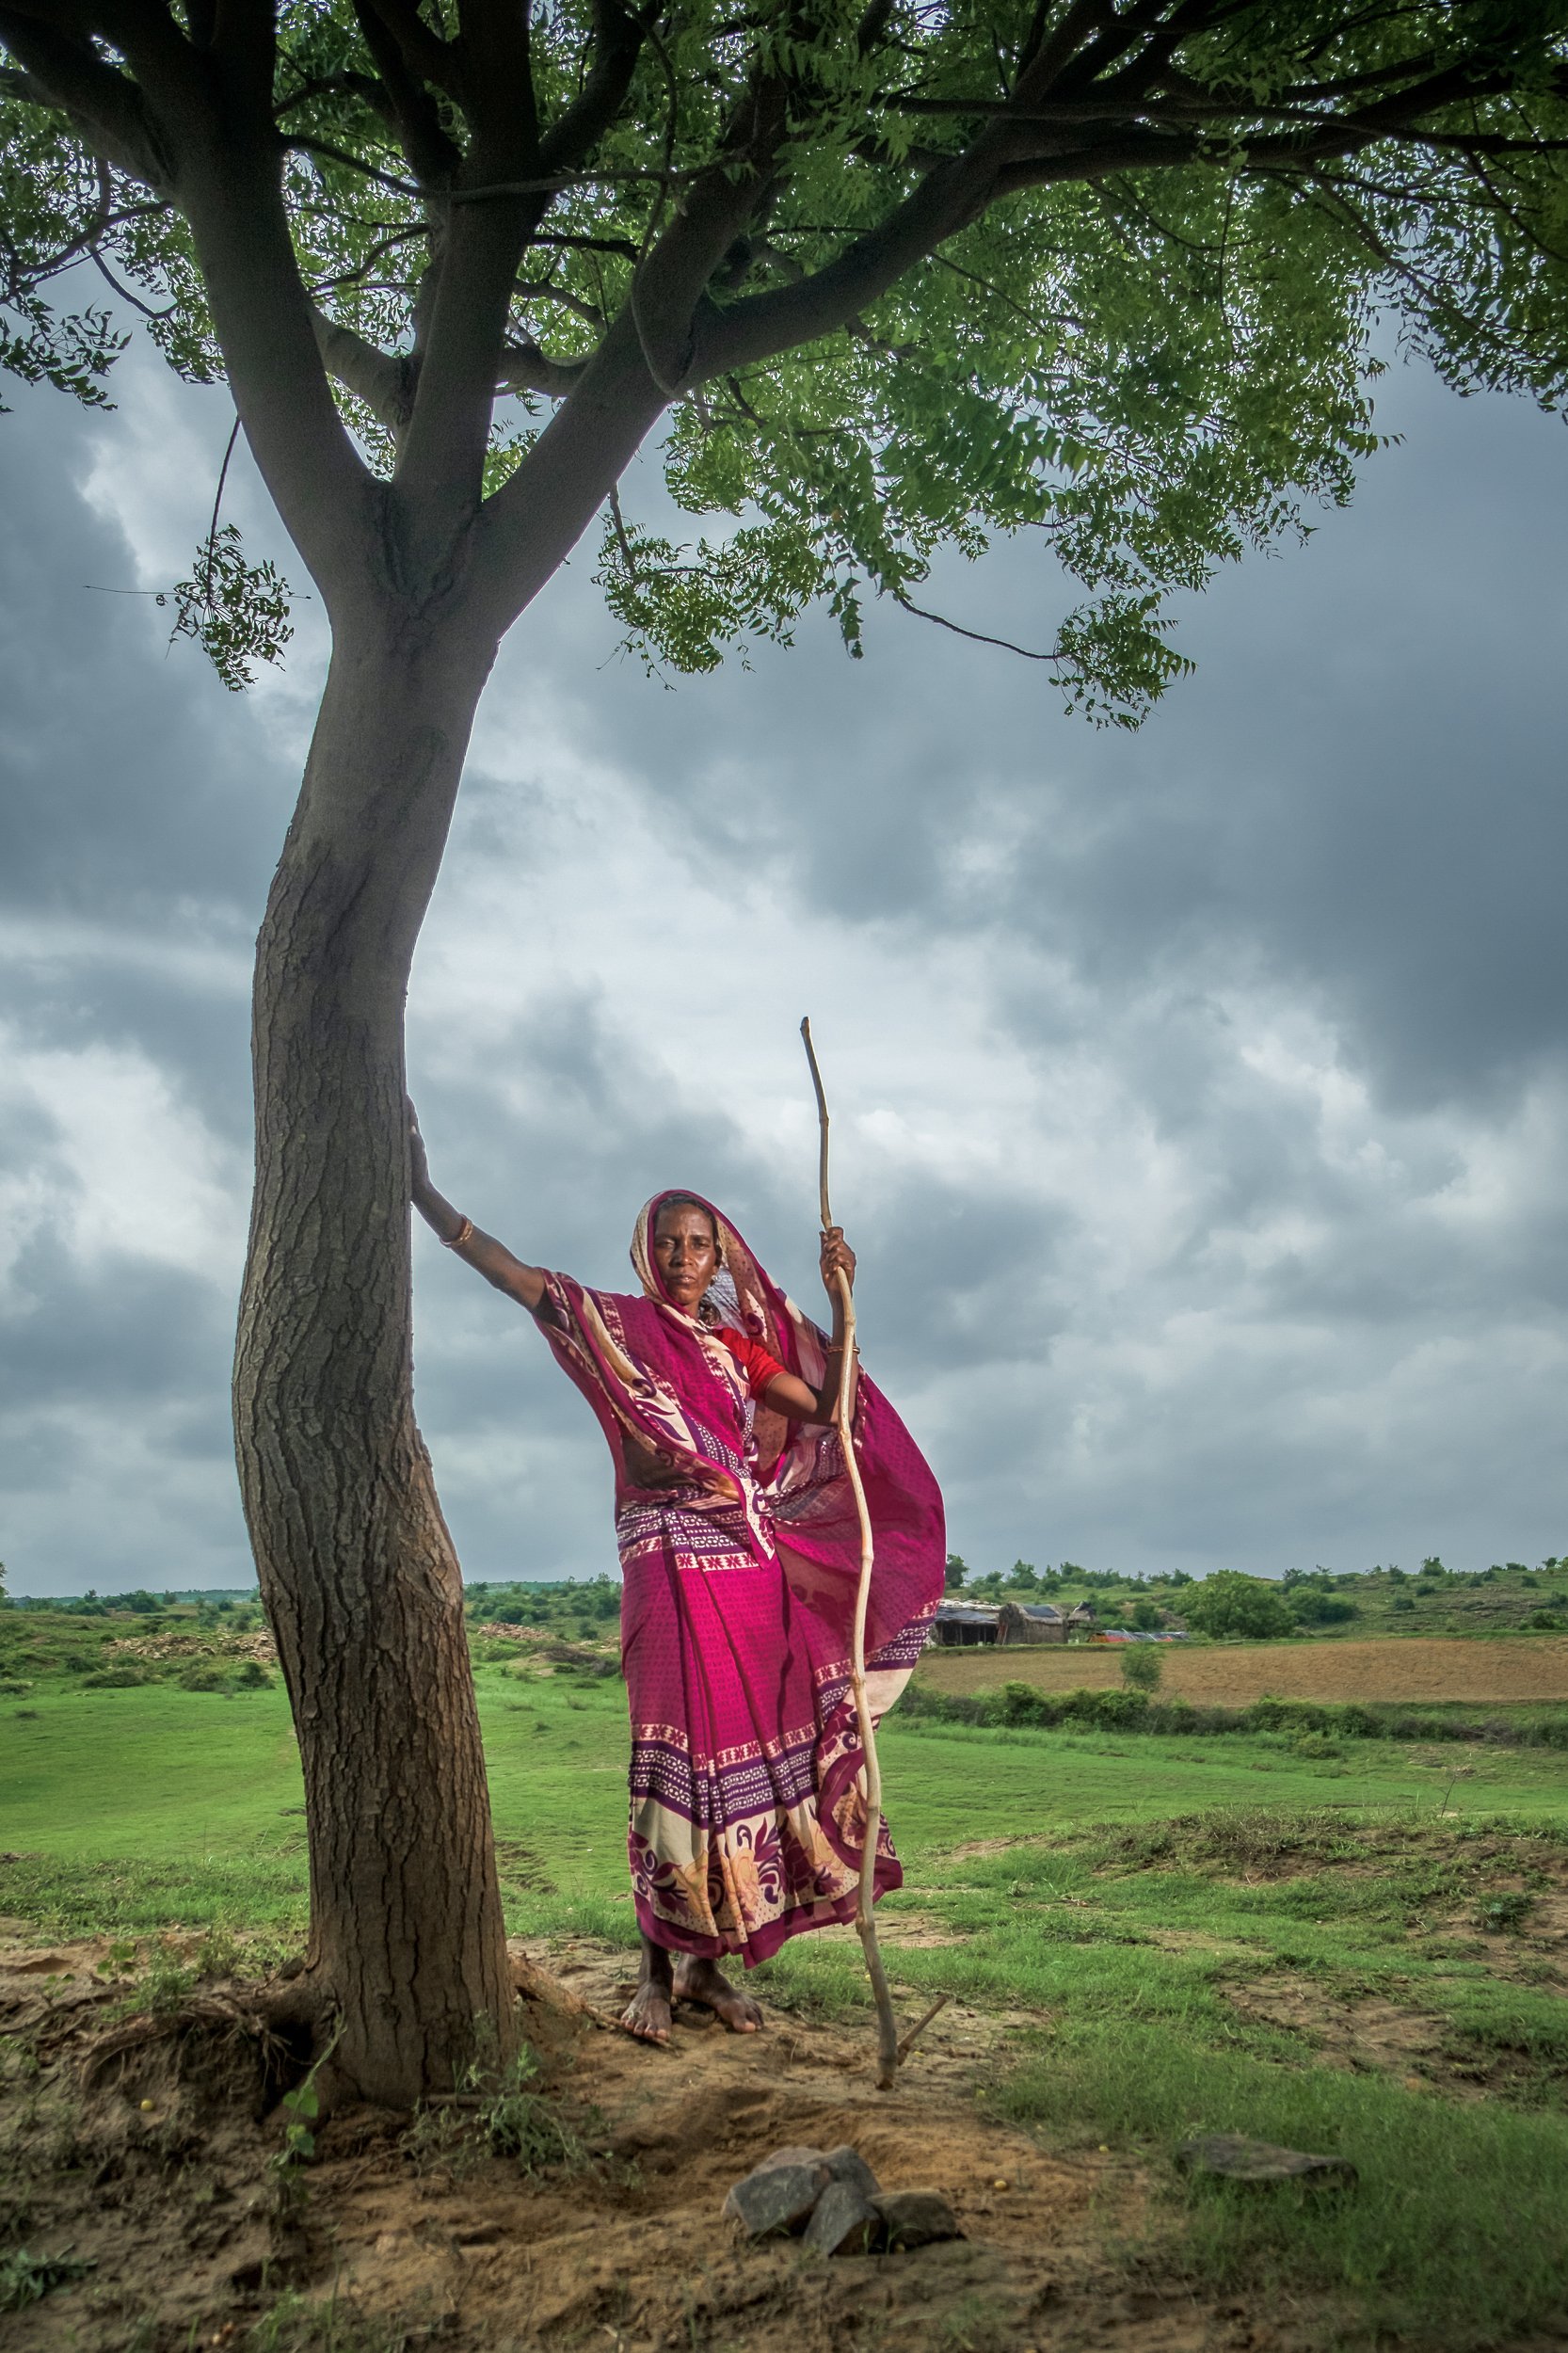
(464, 1233)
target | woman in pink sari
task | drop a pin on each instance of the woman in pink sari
(740, 1554)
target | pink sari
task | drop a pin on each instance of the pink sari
(740, 1552)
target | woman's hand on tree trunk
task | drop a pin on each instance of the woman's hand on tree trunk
(419, 1165)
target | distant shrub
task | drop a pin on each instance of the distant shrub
(252, 1676)
(1310, 1605)
(1402, 1601)
(1244, 1607)
(204, 1674)
(1120, 1711)
(116, 1678)
(1022, 1703)
(1543, 1622)
(1143, 1666)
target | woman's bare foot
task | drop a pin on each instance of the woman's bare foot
(647, 2016)
(705, 1982)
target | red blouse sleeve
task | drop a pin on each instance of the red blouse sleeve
(753, 1360)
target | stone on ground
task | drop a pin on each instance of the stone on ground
(844, 2223)
(775, 2197)
(790, 2156)
(845, 2164)
(1234, 2158)
(915, 2218)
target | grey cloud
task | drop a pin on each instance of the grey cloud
(1351, 817)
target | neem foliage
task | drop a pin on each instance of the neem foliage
(904, 277)
(1228, 1603)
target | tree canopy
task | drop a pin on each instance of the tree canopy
(905, 277)
(1244, 1607)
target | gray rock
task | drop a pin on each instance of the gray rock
(1238, 2159)
(845, 2164)
(844, 2223)
(790, 2156)
(915, 2218)
(776, 2198)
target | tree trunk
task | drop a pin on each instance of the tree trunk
(356, 1568)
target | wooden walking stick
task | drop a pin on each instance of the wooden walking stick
(888, 2052)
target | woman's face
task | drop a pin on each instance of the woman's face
(685, 1252)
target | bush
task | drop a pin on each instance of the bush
(1120, 1711)
(1402, 1601)
(204, 1674)
(1022, 1703)
(1143, 1666)
(252, 1676)
(116, 1678)
(1244, 1607)
(1310, 1604)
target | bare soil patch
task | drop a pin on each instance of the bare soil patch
(147, 2149)
(1418, 1667)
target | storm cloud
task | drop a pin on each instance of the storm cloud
(1199, 1094)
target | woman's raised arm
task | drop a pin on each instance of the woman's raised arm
(480, 1251)
(794, 1398)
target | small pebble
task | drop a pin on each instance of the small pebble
(1000, 2182)
(147, 2107)
(1105, 2148)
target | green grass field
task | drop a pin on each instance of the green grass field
(154, 1806)
(1184, 1934)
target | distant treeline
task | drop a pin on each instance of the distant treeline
(570, 1606)
(1022, 1705)
(95, 1605)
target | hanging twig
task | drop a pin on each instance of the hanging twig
(865, 1921)
(218, 505)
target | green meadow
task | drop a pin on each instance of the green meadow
(1346, 1946)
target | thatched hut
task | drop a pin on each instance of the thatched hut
(1029, 1622)
(959, 1625)
(1042, 1622)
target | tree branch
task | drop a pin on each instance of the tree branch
(617, 45)
(524, 368)
(541, 290)
(425, 54)
(104, 106)
(530, 525)
(433, 155)
(379, 378)
(976, 637)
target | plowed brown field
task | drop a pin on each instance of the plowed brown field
(1434, 1667)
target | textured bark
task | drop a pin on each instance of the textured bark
(356, 1565)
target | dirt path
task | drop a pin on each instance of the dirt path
(1416, 1667)
(159, 2173)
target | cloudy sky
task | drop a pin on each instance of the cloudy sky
(1201, 1096)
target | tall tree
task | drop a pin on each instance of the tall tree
(883, 278)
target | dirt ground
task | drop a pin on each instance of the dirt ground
(148, 2148)
(1418, 1667)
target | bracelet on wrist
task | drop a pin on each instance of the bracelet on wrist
(464, 1233)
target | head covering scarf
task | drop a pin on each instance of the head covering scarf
(740, 1547)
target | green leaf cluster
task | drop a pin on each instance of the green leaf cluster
(1148, 337)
